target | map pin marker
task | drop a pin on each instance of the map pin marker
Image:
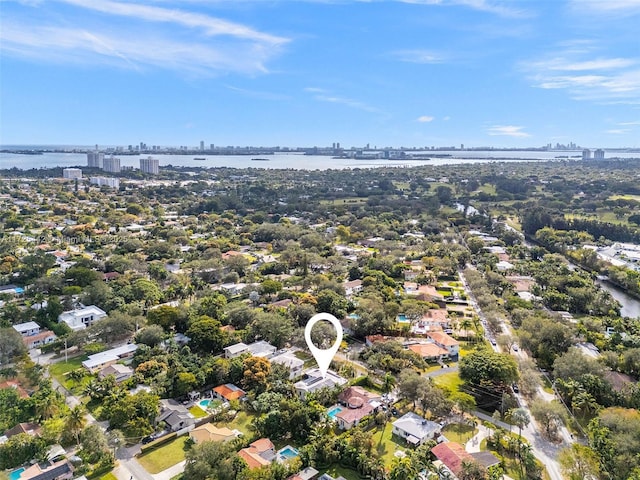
(323, 357)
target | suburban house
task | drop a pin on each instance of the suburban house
(452, 454)
(352, 287)
(121, 372)
(259, 453)
(308, 473)
(255, 349)
(446, 342)
(210, 433)
(22, 393)
(233, 288)
(359, 403)
(314, 381)
(228, 392)
(32, 429)
(27, 329)
(98, 361)
(415, 429)
(174, 415)
(429, 351)
(32, 336)
(82, 318)
(48, 471)
(290, 361)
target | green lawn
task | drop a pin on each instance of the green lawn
(347, 473)
(197, 412)
(459, 432)
(242, 422)
(385, 444)
(60, 369)
(164, 457)
(450, 381)
(109, 476)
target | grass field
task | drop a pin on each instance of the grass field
(109, 476)
(242, 422)
(385, 444)
(164, 457)
(59, 372)
(197, 412)
(451, 381)
(459, 432)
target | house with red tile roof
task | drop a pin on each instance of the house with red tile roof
(228, 392)
(429, 351)
(446, 342)
(258, 454)
(452, 454)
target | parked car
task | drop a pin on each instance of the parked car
(515, 388)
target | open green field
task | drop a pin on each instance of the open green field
(385, 444)
(163, 457)
(242, 422)
(459, 432)
(450, 381)
(60, 370)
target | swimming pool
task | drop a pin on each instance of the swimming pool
(334, 411)
(204, 404)
(287, 453)
(15, 475)
(402, 318)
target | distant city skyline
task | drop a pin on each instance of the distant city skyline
(314, 72)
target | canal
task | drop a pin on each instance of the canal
(630, 305)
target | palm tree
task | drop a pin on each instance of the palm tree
(388, 382)
(76, 422)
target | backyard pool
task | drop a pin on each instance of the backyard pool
(402, 318)
(287, 453)
(204, 404)
(15, 475)
(333, 411)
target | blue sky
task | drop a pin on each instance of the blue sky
(313, 72)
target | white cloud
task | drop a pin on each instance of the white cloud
(425, 119)
(211, 26)
(507, 130)
(489, 6)
(601, 6)
(323, 95)
(192, 43)
(418, 56)
(258, 94)
(624, 124)
(129, 50)
(601, 79)
(617, 131)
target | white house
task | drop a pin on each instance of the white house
(101, 360)
(289, 360)
(27, 329)
(314, 381)
(82, 318)
(256, 349)
(352, 287)
(415, 429)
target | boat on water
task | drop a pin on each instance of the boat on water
(259, 159)
(199, 158)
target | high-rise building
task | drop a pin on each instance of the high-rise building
(586, 154)
(150, 165)
(71, 173)
(201, 145)
(598, 154)
(111, 164)
(94, 159)
(105, 181)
